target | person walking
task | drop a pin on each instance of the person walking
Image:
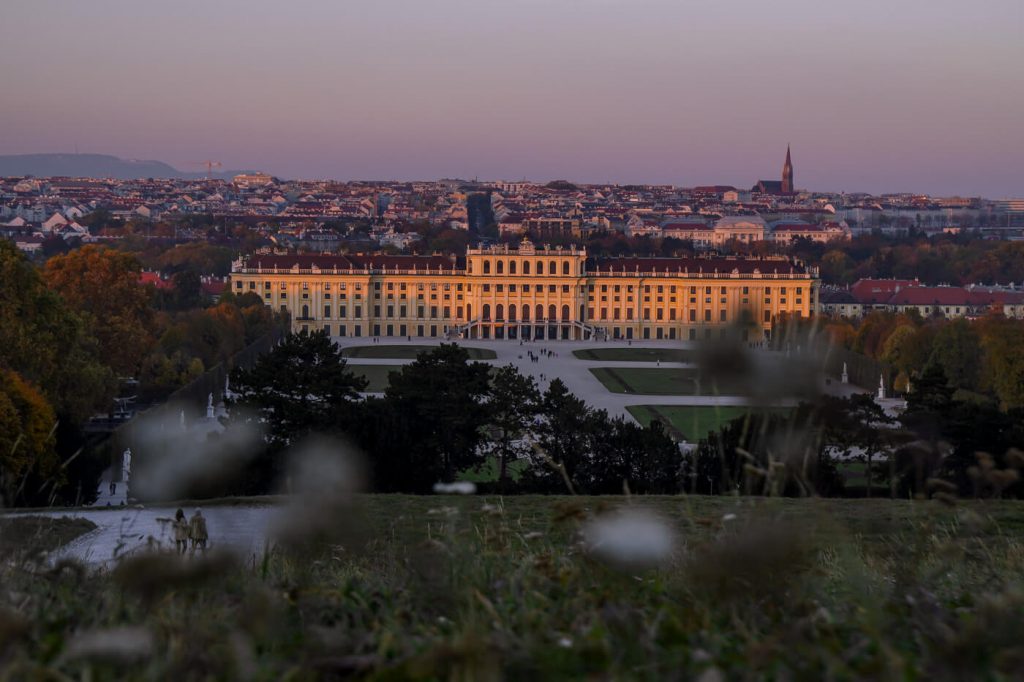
(197, 530)
(181, 532)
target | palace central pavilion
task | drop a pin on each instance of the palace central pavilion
(529, 292)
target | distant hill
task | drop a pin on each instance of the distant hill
(95, 166)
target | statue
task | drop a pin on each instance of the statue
(846, 376)
(126, 464)
(209, 407)
(881, 387)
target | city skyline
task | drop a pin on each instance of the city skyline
(879, 100)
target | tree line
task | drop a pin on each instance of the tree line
(443, 417)
(71, 333)
(982, 360)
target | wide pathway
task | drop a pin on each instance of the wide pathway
(243, 529)
(575, 373)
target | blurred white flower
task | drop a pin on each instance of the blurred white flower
(565, 642)
(129, 643)
(630, 539)
(456, 488)
(729, 517)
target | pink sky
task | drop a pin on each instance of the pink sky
(875, 95)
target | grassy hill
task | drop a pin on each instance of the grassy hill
(472, 588)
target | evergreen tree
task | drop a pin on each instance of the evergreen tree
(439, 403)
(302, 386)
(513, 405)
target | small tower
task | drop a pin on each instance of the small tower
(787, 173)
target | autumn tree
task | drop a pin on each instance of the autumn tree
(29, 465)
(1003, 364)
(48, 343)
(103, 285)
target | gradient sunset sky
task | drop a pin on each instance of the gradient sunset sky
(873, 95)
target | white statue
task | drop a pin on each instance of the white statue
(209, 407)
(881, 387)
(126, 464)
(846, 376)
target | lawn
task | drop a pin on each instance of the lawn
(396, 352)
(377, 375)
(629, 354)
(665, 381)
(388, 587)
(691, 423)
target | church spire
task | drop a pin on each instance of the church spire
(787, 173)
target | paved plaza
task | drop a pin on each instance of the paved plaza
(576, 373)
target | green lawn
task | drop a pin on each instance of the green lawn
(635, 354)
(377, 375)
(416, 587)
(488, 472)
(691, 423)
(665, 381)
(396, 352)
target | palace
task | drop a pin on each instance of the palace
(529, 292)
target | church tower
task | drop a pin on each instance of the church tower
(787, 174)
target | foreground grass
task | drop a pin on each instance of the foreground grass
(404, 352)
(404, 587)
(29, 535)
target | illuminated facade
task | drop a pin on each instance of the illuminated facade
(528, 292)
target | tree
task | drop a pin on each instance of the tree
(302, 385)
(562, 439)
(513, 405)
(1003, 366)
(48, 343)
(855, 423)
(28, 459)
(441, 399)
(103, 285)
(957, 348)
(644, 459)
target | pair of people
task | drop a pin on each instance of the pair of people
(191, 530)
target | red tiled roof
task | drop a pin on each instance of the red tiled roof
(350, 262)
(931, 296)
(693, 265)
(879, 290)
(155, 279)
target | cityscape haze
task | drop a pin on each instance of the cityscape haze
(876, 96)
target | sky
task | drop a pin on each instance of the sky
(873, 95)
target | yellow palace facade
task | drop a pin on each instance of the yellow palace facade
(529, 292)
